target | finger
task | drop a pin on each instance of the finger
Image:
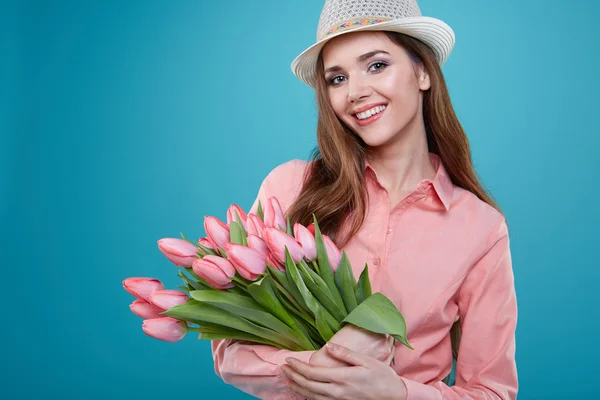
(351, 357)
(320, 374)
(294, 388)
(315, 387)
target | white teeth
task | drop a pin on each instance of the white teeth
(372, 111)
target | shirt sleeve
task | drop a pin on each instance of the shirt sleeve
(485, 367)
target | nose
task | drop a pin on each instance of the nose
(358, 90)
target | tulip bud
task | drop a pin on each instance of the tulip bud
(142, 287)
(215, 270)
(165, 328)
(307, 241)
(231, 215)
(206, 243)
(249, 263)
(256, 243)
(277, 241)
(333, 253)
(278, 265)
(255, 225)
(274, 217)
(145, 310)
(166, 299)
(217, 232)
(180, 252)
(311, 228)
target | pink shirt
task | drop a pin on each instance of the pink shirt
(439, 255)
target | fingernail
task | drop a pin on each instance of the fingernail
(331, 346)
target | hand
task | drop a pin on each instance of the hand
(360, 340)
(365, 378)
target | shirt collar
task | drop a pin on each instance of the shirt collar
(441, 183)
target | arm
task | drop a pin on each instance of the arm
(487, 303)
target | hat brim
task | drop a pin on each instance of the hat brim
(431, 31)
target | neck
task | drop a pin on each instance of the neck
(402, 165)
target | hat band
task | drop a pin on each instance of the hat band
(354, 24)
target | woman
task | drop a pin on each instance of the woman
(393, 183)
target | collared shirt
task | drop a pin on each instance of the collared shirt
(439, 255)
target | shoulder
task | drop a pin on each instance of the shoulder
(285, 181)
(482, 222)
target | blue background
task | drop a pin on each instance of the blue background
(126, 122)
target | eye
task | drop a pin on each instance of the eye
(377, 66)
(336, 80)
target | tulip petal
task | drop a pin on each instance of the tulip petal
(165, 328)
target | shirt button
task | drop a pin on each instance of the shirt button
(410, 200)
(389, 230)
(376, 261)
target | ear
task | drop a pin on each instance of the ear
(423, 78)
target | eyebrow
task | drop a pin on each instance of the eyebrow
(360, 58)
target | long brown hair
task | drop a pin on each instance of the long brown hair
(333, 187)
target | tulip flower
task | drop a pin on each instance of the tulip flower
(166, 299)
(165, 328)
(333, 253)
(275, 263)
(249, 263)
(231, 215)
(255, 225)
(217, 232)
(142, 287)
(277, 241)
(145, 310)
(180, 252)
(307, 241)
(274, 217)
(215, 270)
(256, 243)
(206, 243)
(311, 228)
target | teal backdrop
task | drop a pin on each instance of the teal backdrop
(123, 122)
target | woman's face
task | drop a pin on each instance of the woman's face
(374, 87)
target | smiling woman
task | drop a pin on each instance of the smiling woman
(392, 182)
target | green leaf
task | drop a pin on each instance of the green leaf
(259, 212)
(325, 268)
(201, 313)
(242, 230)
(184, 288)
(344, 280)
(326, 324)
(363, 287)
(322, 294)
(248, 308)
(210, 333)
(378, 314)
(235, 232)
(282, 283)
(289, 229)
(262, 291)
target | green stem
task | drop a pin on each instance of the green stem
(316, 267)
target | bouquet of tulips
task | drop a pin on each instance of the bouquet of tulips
(259, 279)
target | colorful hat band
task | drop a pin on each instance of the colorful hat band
(354, 24)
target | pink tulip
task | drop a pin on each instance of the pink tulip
(275, 264)
(255, 225)
(333, 253)
(165, 328)
(217, 271)
(274, 217)
(217, 232)
(231, 215)
(142, 287)
(256, 243)
(277, 241)
(311, 228)
(206, 243)
(145, 310)
(306, 240)
(180, 252)
(249, 263)
(166, 299)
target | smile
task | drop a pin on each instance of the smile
(370, 115)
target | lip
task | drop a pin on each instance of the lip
(372, 118)
(367, 107)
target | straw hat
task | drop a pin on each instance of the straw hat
(344, 16)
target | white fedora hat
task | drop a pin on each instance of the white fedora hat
(344, 16)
